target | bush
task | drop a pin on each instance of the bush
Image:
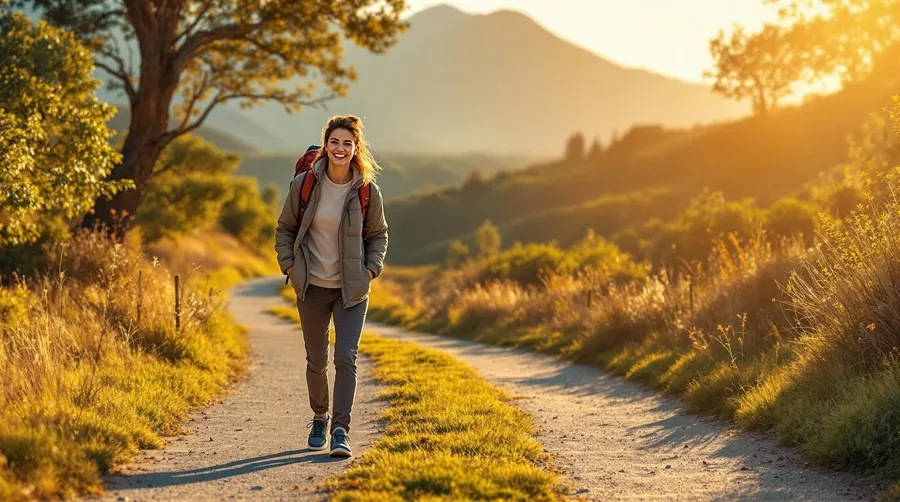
(527, 264)
(789, 217)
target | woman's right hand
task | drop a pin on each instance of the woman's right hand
(288, 271)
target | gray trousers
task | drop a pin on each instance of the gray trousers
(316, 310)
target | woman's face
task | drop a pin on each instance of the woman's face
(341, 147)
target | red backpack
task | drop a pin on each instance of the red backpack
(305, 163)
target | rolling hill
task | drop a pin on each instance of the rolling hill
(402, 175)
(650, 173)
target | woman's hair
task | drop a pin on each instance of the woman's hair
(363, 160)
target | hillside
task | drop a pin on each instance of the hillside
(760, 157)
(403, 174)
(500, 83)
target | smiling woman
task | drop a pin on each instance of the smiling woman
(331, 242)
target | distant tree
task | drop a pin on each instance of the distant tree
(476, 179)
(763, 66)
(487, 239)
(208, 53)
(54, 149)
(270, 194)
(596, 150)
(457, 254)
(575, 147)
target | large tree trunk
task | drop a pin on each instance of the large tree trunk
(143, 145)
(139, 155)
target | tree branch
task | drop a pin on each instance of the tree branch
(221, 98)
(199, 39)
(204, 86)
(187, 31)
(122, 76)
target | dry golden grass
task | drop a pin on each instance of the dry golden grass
(85, 382)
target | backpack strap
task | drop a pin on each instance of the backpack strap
(364, 193)
(309, 182)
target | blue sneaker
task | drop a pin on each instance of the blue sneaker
(340, 444)
(317, 437)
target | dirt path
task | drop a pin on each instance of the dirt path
(619, 441)
(253, 445)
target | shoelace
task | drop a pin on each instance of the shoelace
(318, 427)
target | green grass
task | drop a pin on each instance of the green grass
(449, 435)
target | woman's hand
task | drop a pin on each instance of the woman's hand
(371, 274)
(288, 271)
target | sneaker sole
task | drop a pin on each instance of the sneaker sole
(317, 448)
(340, 452)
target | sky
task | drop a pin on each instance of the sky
(670, 37)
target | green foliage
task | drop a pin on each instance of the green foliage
(708, 217)
(457, 254)
(194, 189)
(487, 239)
(54, 154)
(527, 264)
(192, 183)
(789, 216)
(247, 216)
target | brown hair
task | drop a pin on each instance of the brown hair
(362, 160)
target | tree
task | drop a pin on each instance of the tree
(457, 254)
(209, 52)
(190, 186)
(575, 147)
(596, 151)
(487, 239)
(54, 149)
(848, 38)
(763, 66)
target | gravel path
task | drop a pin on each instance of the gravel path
(619, 441)
(253, 444)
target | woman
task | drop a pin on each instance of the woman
(322, 249)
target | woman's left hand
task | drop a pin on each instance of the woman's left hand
(371, 274)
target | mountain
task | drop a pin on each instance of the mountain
(498, 83)
(650, 174)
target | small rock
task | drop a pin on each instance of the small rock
(121, 499)
(621, 470)
(296, 487)
(745, 468)
(704, 462)
(310, 477)
(249, 419)
(239, 430)
(582, 490)
(668, 466)
(210, 439)
(256, 488)
(685, 446)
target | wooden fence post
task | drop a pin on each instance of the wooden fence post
(140, 295)
(177, 302)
